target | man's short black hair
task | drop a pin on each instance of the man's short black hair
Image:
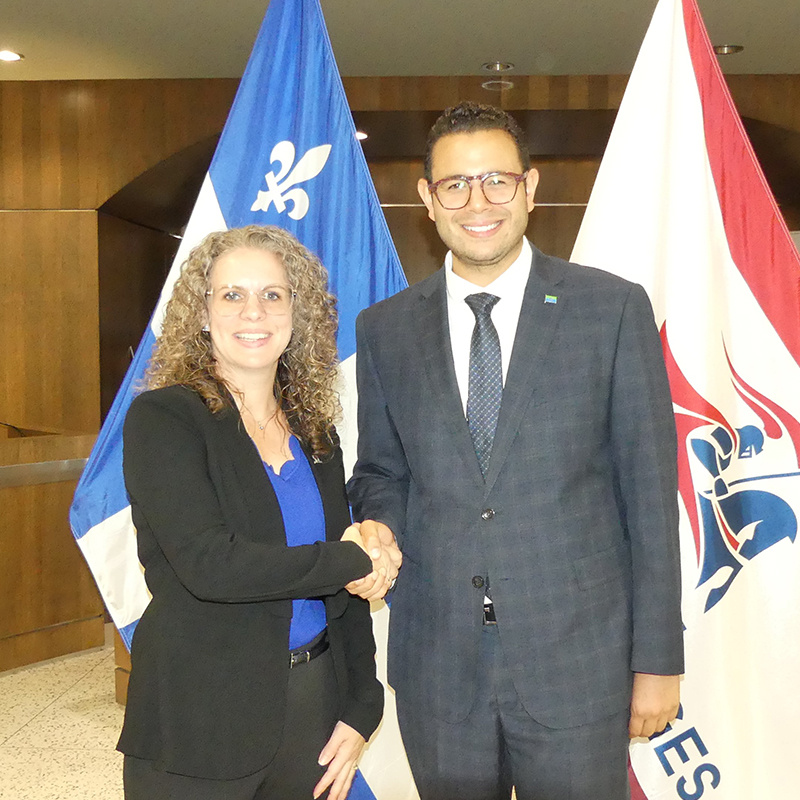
(468, 117)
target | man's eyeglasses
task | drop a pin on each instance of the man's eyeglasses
(497, 187)
(229, 301)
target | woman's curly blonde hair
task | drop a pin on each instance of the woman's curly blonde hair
(307, 370)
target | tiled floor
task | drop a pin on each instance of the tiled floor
(59, 724)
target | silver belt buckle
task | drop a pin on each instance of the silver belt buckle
(299, 658)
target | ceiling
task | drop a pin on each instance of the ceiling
(97, 39)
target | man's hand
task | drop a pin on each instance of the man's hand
(377, 537)
(379, 543)
(654, 703)
(341, 755)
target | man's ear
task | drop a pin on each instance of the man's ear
(531, 182)
(426, 196)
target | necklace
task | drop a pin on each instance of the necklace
(263, 423)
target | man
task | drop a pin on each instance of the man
(516, 435)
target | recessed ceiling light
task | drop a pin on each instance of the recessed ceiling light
(497, 85)
(497, 66)
(9, 55)
(360, 135)
(728, 49)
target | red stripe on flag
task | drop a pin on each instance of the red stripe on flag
(700, 412)
(758, 238)
(637, 793)
(771, 428)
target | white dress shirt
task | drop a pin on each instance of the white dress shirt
(510, 288)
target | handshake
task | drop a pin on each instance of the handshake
(378, 542)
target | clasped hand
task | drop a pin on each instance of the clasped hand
(378, 542)
(654, 703)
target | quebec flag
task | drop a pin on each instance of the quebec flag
(681, 206)
(288, 156)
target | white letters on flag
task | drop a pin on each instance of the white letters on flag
(287, 156)
(681, 206)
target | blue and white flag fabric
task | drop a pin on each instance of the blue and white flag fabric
(288, 156)
(681, 206)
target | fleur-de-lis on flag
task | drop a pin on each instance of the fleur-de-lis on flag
(309, 166)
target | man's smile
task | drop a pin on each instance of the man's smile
(488, 227)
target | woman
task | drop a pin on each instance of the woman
(237, 493)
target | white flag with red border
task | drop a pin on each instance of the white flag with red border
(681, 206)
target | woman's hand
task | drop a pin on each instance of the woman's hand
(341, 755)
(378, 542)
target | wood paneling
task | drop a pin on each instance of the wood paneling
(49, 604)
(34, 646)
(49, 320)
(769, 98)
(72, 144)
(434, 93)
(420, 250)
(46, 446)
(133, 262)
(792, 216)
(396, 181)
(122, 670)
(427, 93)
(565, 180)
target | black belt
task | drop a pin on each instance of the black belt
(315, 648)
(489, 617)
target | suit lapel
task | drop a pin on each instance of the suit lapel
(537, 323)
(431, 323)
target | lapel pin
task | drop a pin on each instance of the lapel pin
(550, 298)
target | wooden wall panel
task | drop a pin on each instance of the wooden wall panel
(150, 120)
(122, 670)
(59, 640)
(45, 581)
(420, 250)
(769, 98)
(396, 181)
(49, 320)
(434, 93)
(565, 180)
(38, 445)
(72, 144)
(792, 216)
(49, 604)
(133, 262)
(426, 93)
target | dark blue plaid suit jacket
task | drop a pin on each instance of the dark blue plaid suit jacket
(576, 523)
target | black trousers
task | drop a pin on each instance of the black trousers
(499, 745)
(311, 715)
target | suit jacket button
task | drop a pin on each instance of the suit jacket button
(477, 582)
(487, 513)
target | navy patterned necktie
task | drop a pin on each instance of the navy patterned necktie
(485, 377)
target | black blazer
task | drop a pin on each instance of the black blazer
(209, 657)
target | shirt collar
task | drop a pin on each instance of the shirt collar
(510, 284)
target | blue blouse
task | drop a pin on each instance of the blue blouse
(304, 521)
